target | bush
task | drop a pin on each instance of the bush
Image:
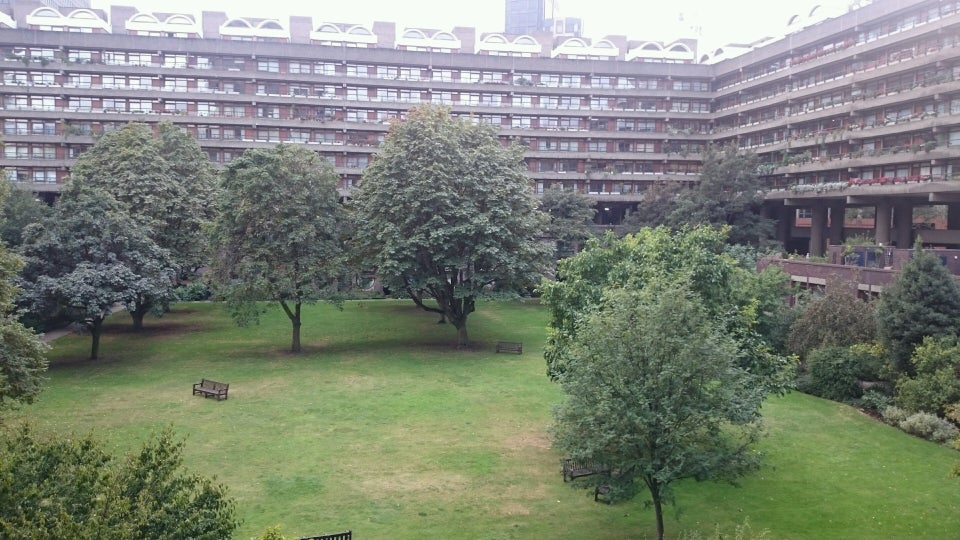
(833, 374)
(874, 400)
(935, 385)
(272, 533)
(894, 415)
(930, 427)
(193, 292)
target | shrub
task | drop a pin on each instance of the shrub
(930, 427)
(834, 374)
(875, 400)
(894, 415)
(272, 533)
(935, 385)
(193, 292)
(838, 318)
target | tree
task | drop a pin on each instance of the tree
(22, 354)
(90, 256)
(571, 215)
(923, 301)
(653, 390)
(694, 257)
(20, 209)
(445, 213)
(277, 235)
(72, 488)
(165, 183)
(838, 318)
(729, 193)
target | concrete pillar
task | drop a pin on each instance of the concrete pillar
(881, 230)
(837, 213)
(903, 225)
(818, 226)
(953, 216)
(785, 217)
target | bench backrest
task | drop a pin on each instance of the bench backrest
(213, 385)
(346, 535)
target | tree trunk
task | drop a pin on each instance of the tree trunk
(658, 510)
(137, 317)
(137, 314)
(95, 328)
(462, 340)
(295, 321)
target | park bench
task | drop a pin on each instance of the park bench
(604, 492)
(573, 469)
(346, 535)
(509, 346)
(209, 388)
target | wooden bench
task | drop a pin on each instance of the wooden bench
(602, 491)
(573, 469)
(345, 535)
(509, 346)
(208, 388)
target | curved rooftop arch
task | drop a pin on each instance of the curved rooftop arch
(494, 38)
(84, 14)
(604, 44)
(651, 46)
(680, 47)
(358, 30)
(270, 25)
(413, 33)
(46, 12)
(444, 36)
(179, 20)
(328, 28)
(574, 42)
(237, 23)
(525, 40)
(143, 18)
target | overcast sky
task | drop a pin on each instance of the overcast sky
(718, 22)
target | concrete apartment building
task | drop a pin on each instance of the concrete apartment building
(855, 115)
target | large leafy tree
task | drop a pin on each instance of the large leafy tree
(570, 217)
(695, 257)
(278, 234)
(87, 258)
(836, 318)
(73, 488)
(20, 209)
(923, 301)
(655, 391)
(445, 214)
(728, 193)
(165, 182)
(22, 354)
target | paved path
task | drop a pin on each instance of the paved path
(71, 328)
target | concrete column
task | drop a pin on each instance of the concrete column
(785, 217)
(881, 230)
(818, 226)
(837, 213)
(903, 225)
(953, 216)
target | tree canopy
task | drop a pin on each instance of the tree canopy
(728, 193)
(72, 488)
(446, 215)
(924, 300)
(278, 234)
(20, 209)
(22, 354)
(163, 181)
(90, 256)
(570, 217)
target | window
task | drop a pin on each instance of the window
(300, 135)
(442, 98)
(270, 65)
(470, 76)
(524, 122)
(272, 89)
(300, 67)
(175, 84)
(80, 104)
(522, 100)
(208, 132)
(175, 61)
(357, 70)
(597, 146)
(85, 81)
(601, 82)
(207, 108)
(443, 75)
(570, 81)
(388, 72)
(268, 134)
(409, 74)
(268, 111)
(325, 68)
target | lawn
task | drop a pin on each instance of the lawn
(383, 427)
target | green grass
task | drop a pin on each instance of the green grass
(383, 427)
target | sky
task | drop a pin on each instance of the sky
(714, 22)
